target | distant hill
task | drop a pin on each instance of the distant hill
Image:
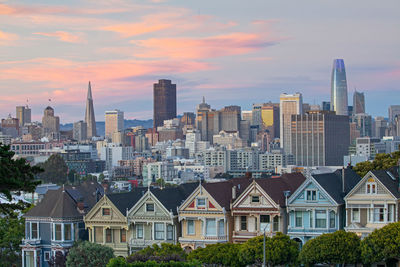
(100, 125)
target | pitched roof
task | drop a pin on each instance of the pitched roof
(275, 187)
(55, 204)
(333, 185)
(222, 191)
(90, 192)
(390, 179)
(127, 200)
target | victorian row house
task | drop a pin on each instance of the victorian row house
(56, 222)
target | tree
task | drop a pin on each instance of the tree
(55, 170)
(164, 253)
(84, 254)
(381, 162)
(59, 260)
(339, 247)
(382, 245)
(11, 234)
(15, 175)
(279, 250)
(225, 254)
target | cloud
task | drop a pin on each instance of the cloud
(7, 38)
(63, 36)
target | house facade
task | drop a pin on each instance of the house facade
(205, 215)
(262, 207)
(373, 202)
(317, 206)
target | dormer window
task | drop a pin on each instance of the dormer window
(149, 207)
(201, 203)
(371, 186)
(106, 211)
(311, 195)
(255, 199)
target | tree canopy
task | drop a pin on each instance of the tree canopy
(381, 162)
(84, 254)
(15, 175)
(55, 170)
(225, 254)
(11, 233)
(339, 247)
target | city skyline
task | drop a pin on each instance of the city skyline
(229, 56)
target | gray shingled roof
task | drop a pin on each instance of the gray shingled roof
(391, 184)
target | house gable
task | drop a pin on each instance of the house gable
(200, 200)
(309, 193)
(149, 207)
(104, 211)
(254, 197)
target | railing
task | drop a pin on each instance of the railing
(311, 230)
(147, 242)
(245, 233)
(32, 242)
(221, 237)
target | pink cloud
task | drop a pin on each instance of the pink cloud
(63, 36)
(7, 38)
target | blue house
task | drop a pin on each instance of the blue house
(57, 222)
(317, 206)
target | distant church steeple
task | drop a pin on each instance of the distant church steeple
(89, 115)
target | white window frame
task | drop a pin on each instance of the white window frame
(211, 220)
(72, 234)
(369, 186)
(170, 232)
(137, 231)
(31, 231)
(252, 199)
(159, 231)
(326, 219)
(55, 231)
(352, 215)
(154, 207)
(47, 255)
(295, 219)
(202, 205)
(312, 192)
(330, 219)
(187, 227)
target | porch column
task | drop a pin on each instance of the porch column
(104, 235)
(34, 258)
(165, 231)
(72, 232)
(385, 212)
(23, 258)
(216, 226)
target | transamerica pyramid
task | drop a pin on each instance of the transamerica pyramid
(89, 115)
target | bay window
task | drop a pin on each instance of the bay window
(67, 232)
(320, 219)
(298, 222)
(139, 231)
(159, 231)
(211, 229)
(170, 232)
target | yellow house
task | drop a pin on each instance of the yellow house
(107, 222)
(205, 215)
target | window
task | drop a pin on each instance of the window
(106, 211)
(57, 231)
(47, 255)
(149, 206)
(332, 219)
(67, 232)
(190, 227)
(34, 233)
(355, 215)
(123, 235)
(159, 231)
(255, 199)
(320, 219)
(275, 225)
(170, 232)
(211, 229)
(139, 231)
(243, 223)
(371, 186)
(265, 223)
(27, 232)
(379, 213)
(311, 219)
(390, 213)
(201, 202)
(108, 236)
(311, 195)
(221, 228)
(298, 219)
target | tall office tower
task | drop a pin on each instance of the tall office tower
(23, 114)
(10, 126)
(79, 132)
(326, 105)
(363, 124)
(114, 122)
(164, 105)
(89, 115)
(227, 119)
(381, 125)
(393, 111)
(256, 116)
(290, 104)
(339, 101)
(205, 121)
(188, 118)
(247, 115)
(270, 119)
(320, 138)
(50, 124)
(358, 102)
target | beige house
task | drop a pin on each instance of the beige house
(205, 215)
(373, 202)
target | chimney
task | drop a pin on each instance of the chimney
(343, 180)
(248, 175)
(81, 206)
(234, 192)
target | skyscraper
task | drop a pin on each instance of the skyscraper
(114, 122)
(358, 102)
(339, 101)
(290, 104)
(23, 114)
(164, 105)
(50, 124)
(205, 121)
(89, 114)
(79, 132)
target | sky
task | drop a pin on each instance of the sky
(232, 52)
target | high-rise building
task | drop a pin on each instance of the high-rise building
(89, 114)
(339, 100)
(290, 104)
(23, 114)
(10, 126)
(270, 119)
(227, 119)
(393, 111)
(79, 132)
(50, 124)
(358, 102)
(205, 121)
(114, 122)
(320, 138)
(326, 105)
(188, 118)
(363, 124)
(164, 105)
(380, 127)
